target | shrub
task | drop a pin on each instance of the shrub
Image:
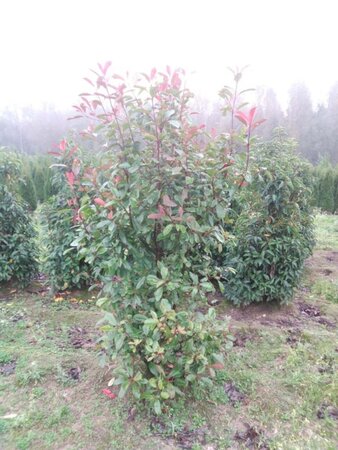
(326, 190)
(336, 191)
(326, 187)
(10, 168)
(61, 262)
(273, 234)
(153, 214)
(18, 251)
(27, 192)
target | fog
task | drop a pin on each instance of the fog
(47, 47)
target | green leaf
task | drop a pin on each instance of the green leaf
(208, 287)
(220, 211)
(139, 318)
(152, 280)
(136, 391)
(140, 282)
(164, 272)
(165, 305)
(167, 230)
(101, 301)
(157, 407)
(119, 340)
(123, 389)
(158, 294)
(153, 369)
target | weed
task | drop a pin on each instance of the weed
(326, 231)
(3, 426)
(50, 437)
(5, 357)
(24, 443)
(38, 392)
(63, 377)
(31, 375)
(59, 416)
(327, 289)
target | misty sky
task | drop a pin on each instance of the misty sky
(48, 46)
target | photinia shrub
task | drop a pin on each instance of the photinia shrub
(153, 212)
(274, 232)
(18, 248)
(61, 261)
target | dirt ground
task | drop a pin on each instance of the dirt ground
(277, 391)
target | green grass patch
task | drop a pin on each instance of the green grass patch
(328, 289)
(326, 231)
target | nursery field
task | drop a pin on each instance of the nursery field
(279, 388)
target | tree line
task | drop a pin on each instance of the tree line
(315, 128)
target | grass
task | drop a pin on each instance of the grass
(326, 288)
(326, 232)
(284, 366)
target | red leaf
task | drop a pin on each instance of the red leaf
(217, 366)
(168, 202)
(153, 73)
(213, 133)
(164, 85)
(110, 215)
(242, 117)
(243, 183)
(89, 81)
(256, 124)
(54, 153)
(252, 113)
(105, 67)
(154, 216)
(70, 178)
(158, 215)
(180, 215)
(63, 145)
(176, 81)
(116, 76)
(96, 103)
(100, 82)
(99, 201)
(109, 393)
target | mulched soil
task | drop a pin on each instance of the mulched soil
(309, 310)
(293, 337)
(235, 396)
(188, 438)
(74, 373)
(252, 438)
(81, 338)
(8, 368)
(327, 411)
